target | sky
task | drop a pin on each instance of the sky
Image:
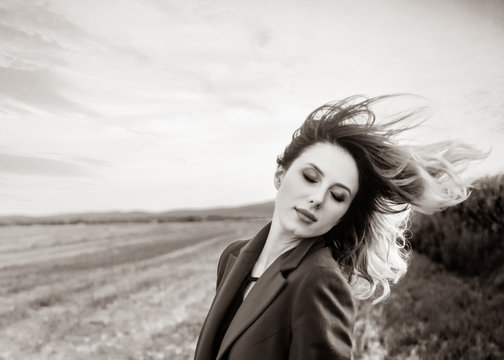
(156, 105)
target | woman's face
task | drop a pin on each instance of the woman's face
(316, 190)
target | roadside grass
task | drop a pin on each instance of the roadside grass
(435, 314)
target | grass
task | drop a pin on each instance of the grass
(109, 291)
(436, 314)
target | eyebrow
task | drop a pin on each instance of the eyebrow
(338, 184)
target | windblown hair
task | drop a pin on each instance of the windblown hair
(370, 242)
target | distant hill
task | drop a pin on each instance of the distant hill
(254, 211)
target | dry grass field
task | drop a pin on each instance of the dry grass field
(118, 291)
(112, 291)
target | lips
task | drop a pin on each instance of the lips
(305, 215)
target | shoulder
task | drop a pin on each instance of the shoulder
(319, 275)
(233, 248)
(322, 312)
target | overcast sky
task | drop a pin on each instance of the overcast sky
(156, 105)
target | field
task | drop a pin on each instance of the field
(119, 291)
(142, 290)
(115, 291)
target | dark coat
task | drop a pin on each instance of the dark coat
(301, 307)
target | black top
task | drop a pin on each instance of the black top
(230, 313)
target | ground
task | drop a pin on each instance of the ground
(119, 291)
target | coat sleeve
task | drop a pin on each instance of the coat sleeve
(322, 318)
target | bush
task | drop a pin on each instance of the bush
(440, 315)
(436, 314)
(467, 238)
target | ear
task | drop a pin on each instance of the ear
(279, 174)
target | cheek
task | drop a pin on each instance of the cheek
(290, 190)
(334, 214)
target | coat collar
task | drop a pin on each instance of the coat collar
(290, 262)
(272, 281)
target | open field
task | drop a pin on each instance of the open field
(114, 291)
(122, 291)
(119, 291)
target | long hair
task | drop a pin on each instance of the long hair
(370, 242)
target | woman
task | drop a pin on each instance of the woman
(345, 192)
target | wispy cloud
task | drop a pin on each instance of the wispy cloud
(34, 37)
(34, 67)
(38, 89)
(93, 162)
(33, 165)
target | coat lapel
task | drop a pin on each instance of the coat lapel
(258, 299)
(237, 268)
(229, 265)
(269, 285)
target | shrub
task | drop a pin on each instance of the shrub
(440, 315)
(467, 238)
(437, 314)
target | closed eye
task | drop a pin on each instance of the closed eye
(309, 179)
(338, 198)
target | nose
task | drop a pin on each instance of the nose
(316, 199)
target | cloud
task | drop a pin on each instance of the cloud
(11, 197)
(31, 44)
(45, 58)
(245, 104)
(94, 162)
(25, 50)
(33, 37)
(32, 165)
(37, 88)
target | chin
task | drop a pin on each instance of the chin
(309, 233)
(301, 230)
(291, 223)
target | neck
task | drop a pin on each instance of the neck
(279, 238)
(277, 242)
